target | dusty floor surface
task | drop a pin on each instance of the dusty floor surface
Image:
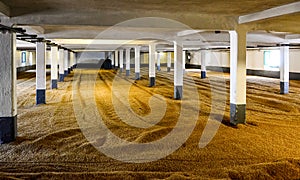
(51, 144)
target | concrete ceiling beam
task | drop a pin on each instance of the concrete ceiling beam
(269, 13)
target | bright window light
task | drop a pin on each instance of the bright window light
(272, 60)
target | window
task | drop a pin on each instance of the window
(23, 57)
(272, 60)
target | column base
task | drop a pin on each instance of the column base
(66, 73)
(203, 74)
(158, 68)
(237, 114)
(137, 76)
(53, 84)
(284, 87)
(40, 96)
(152, 81)
(8, 129)
(69, 70)
(178, 92)
(168, 69)
(127, 72)
(121, 70)
(61, 77)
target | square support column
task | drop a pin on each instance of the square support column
(169, 62)
(116, 59)
(152, 47)
(127, 61)
(71, 61)
(54, 69)
(238, 77)
(178, 70)
(137, 63)
(121, 60)
(112, 60)
(8, 96)
(41, 73)
(183, 61)
(158, 61)
(284, 69)
(66, 62)
(203, 64)
(61, 65)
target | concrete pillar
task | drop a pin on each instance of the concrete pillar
(116, 59)
(178, 70)
(54, 70)
(71, 60)
(30, 58)
(284, 69)
(203, 64)
(112, 60)
(8, 96)
(169, 62)
(41, 73)
(127, 61)
(152, 64)
(121, 60)
(137, 63)
(61, 65)
(158, 61)
(66, 62)
(238, 76)
(183, 61)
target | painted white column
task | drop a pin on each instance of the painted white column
(112, 59)
(41, 73)
(116, 59)
(152, 47)
(127, 61)
(8, 96)
(158, 61)
(137, 63)
(238, 76)
(169, 62)
(54, 69)
(66, 62)
(203, 64)
(178, 70)
(71, 60)
(183, 60)
(121, 60)
(61, 65)
(30, 58)
(284, 69)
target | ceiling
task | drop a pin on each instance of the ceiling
(114, 23)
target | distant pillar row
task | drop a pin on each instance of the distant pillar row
(8, 96)
(137, 62)
(54, 62)
(284, 69)
(238, 77)
(169, 62)
(127, 61)
(61, 65)
(41, 73)
(178, 70)
(152, 64)
(203, 64)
